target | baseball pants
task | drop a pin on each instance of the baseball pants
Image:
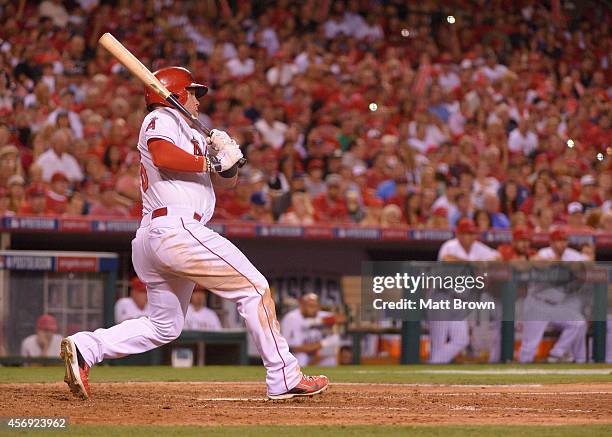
(170, 254)
(609, 340)
(572, 340)
(448, 338)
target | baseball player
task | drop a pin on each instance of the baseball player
(449, 338)
(520, 248)
(302, 329)
(46, 342)
(134, 306)
(551, 302)
(198, 317)
(173, 249)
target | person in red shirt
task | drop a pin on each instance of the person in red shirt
(36, 201)
(56, 198)
(107, 205)
(330, 206)
(236, 203)
(520, 248)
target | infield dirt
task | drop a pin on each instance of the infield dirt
(243, 403)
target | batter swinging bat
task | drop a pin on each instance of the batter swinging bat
(131, 62)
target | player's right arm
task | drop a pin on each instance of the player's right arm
(170, 149)
(167, 156)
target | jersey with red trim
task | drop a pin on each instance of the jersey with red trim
(162, 187)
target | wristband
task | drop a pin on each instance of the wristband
(230, 172)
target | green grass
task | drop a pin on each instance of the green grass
(353, 430)
(412, 374)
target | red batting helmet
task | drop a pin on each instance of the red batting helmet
(177, 80)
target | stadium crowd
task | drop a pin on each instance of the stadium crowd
(364, 112)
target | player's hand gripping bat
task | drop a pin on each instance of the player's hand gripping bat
(131, 62)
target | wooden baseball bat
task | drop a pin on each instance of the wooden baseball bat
(131, 62)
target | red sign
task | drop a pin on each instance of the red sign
(74, 225)
(76, 264)
(240, 230)
(394, 234)
(321, 232)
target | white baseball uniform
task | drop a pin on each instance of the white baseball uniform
(299, 330)
(174, 250)
(126, 308)
(31, 348)
(449, 337)
(540, 304)
(203, 319)
(609, 339)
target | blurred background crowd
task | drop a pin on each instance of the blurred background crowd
(366, 112)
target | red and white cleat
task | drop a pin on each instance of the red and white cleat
(308, 386)
(77, 373)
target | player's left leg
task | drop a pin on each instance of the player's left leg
(571, 343)
(609, 340)
(167, 302)
(168, 298)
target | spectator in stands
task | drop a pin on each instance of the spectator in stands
(9, 163)
(316, 73)
(107, 205)
(391, 217)
(575, 218)
(36, 202)
(301, 211)
(272, 130)
(199, 317)
(373, 213)
(57, 158)
(462, 208)
(482, 220)
(282, 70)
(46, 342)
(260, 209)
(128, 182)
(16, 192)
(511, 196)
(330, 206)
(76, 206)
(589, 197)
(135, 305)
(64, 110)
(539, 199)
(304, 329)
(498, 219)
(56, 198)
(439, 219)
(241, 65)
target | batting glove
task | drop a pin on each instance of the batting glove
(223, 160)
(220, 140)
